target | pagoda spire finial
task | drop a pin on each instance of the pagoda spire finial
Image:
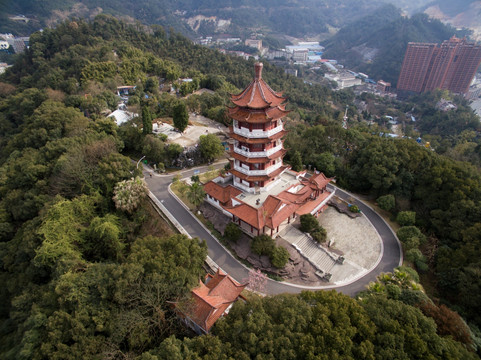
(258, 69)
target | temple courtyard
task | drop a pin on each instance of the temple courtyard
(353, 239)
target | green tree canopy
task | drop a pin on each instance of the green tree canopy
(386, 202)
(309, 223)
(180, 116)
(406, 218)
(210, 146)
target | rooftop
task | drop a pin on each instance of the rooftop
(211, 299)
(287, 179)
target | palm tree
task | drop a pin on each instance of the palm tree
(195, 194)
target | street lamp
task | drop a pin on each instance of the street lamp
(138, 162)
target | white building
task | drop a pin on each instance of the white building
(344, 80)
(300, 55)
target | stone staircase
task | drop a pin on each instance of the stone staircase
(317, 255)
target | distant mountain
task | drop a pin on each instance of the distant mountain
(297, 18)
(376, 43)
(461, 13)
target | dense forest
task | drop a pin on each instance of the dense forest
(376, 43)
(86, 277)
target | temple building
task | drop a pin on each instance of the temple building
(259, 192)
(209, 301)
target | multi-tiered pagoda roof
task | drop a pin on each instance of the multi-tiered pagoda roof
(260, 193)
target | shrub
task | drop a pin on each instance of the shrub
(354, 208)
(309, 223)
(232, 232)
(195, 178)
(386, 202)
(320, 235)
(414, 255)
(411, 243)
(406, 218)
(263, 245)
(279, 257)
(407, 232)
(422, 266)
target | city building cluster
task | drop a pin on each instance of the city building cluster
(451, 66)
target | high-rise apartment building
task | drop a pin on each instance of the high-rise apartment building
(451, 66)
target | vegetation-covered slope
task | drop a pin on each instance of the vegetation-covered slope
(85, 278)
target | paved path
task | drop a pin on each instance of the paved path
(391, 258)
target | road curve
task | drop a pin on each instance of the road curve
(391, 257)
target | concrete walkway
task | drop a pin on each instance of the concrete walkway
(321, 258)
(307, 247)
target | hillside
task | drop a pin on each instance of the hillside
(376, 44)
(465, 13)
(193, 18)
(85, 277)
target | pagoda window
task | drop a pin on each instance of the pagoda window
(257, 126)
(256, 147)
(250, 127)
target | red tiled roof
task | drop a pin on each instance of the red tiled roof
(309, 206)
(249, 215)
(257, 116)
(221, 193)
(319, 180)
(276, 209)
(212, 299)
(258, 95)
(259, 177)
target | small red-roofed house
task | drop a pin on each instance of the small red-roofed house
(210, 301)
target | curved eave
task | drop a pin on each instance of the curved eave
(261, 177)
(257, 116)
(258, 95)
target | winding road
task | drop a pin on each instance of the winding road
(391, 256)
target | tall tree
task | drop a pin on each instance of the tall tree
(181, 117)
(146, 121)
(297, 161)
(196, 194)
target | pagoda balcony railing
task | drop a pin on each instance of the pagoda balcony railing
(254, 154)
(257, 133)
(258, 172)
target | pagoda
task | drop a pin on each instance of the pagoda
(257, 130)
(260, 193)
